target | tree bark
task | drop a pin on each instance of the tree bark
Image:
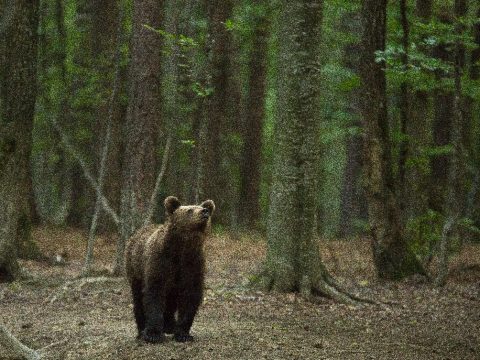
(454, 202)
(18, 60)
(392, 258)
(106, 46)
(404, 111)
(211, 180)
(293, 260)
(81, 115)
(143, 121)
(475, 75)
(353, 207)
(250, 170)
(419, 137)
(442, 126)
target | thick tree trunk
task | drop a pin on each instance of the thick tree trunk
(52, 180)
(454, 201)
(475, 75)
(211, 174)
(249, 207)
(404, 152)
(390, 252)
(18, 59)
(353, 208)
(293, 260)
(442, 127)
(82, 114)
(143, 121)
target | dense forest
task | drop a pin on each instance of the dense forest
(308, 122)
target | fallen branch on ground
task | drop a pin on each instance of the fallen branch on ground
(77, 285)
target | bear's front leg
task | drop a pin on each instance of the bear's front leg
(188, 304)
(154, 306)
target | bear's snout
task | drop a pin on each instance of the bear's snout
(205, 213)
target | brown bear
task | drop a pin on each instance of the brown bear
(165, 267)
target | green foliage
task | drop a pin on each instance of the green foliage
(178, 39)
(424, 232)
(76, 95)
(423, 66)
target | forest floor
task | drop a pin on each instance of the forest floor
(70, 318)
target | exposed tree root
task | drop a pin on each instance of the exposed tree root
(325, 287)
(11, 343)
(333, 282)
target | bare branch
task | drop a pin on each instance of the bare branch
(11, 343)
(86, 172)
(77, 285)
(160, 176)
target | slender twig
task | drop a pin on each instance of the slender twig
(86, 171)
(443, 253)
(160, 176)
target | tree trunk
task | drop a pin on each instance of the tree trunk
(352, 206)
(442, 127)
(11, 343)
(418, 133)
(293, 260)
(456, 173)
(404, 111)
(18, 59)
(390, 252)
(211, 173)
(143, 121)
(81, 116)
(249, 207)
(105, 40)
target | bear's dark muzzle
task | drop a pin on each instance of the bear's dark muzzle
(205, 214)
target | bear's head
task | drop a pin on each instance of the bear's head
(189, 217)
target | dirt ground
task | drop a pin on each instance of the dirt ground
(69, 318)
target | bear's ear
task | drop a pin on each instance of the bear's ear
(210, 205)
(171, 204)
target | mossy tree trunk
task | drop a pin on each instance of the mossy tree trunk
(252, 126)
(405, 110)
(212, 176)
(293, 261)
(352, 198)
(474, 199)
(18, 59)
(391, 255)
(143, 121)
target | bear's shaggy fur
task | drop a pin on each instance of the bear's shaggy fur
(165, 267)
